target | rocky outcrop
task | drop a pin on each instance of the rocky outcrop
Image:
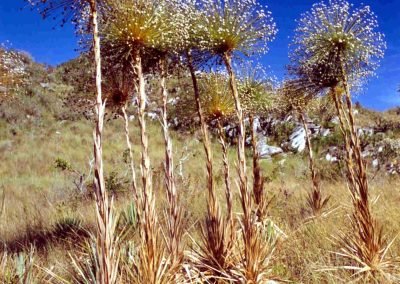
(297, 141)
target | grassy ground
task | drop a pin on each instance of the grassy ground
(42, 206)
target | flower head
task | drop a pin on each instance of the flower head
(335, 40)
(236, 26)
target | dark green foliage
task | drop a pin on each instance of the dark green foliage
(62, 164)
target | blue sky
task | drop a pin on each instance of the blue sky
(51, 44)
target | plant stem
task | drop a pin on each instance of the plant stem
(258, 180)
(203, 124)
(245, 195)
(174, 219)
(105, 239)
(129, 145)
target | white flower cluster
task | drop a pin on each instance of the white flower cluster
(230, 26)
(158, 25)
(335, 38)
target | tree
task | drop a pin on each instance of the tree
(337, 48)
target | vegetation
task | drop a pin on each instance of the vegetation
(72, 209)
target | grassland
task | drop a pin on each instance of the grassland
(42, 208)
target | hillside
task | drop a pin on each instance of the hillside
(47, 172)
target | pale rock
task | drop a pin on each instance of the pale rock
(298, 139)
(325, 132)
(152, 115)
(335, 120)
(330, 158)
(266, 150)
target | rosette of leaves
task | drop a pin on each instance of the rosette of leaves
(215, 97)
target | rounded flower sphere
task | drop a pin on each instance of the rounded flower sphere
(334, 40)
(243, 26)
(145, 24)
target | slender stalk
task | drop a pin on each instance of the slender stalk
(151, 251)
(245, 195)
(314, 200)
(203, 124)
(258, 180)
(145, 159)
(252, 246)
(174, 214)
(129, 145)
(108, 267)
(227, 174)
(368, 243)
(216, 247)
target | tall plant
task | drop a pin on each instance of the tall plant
(337, 48)
(166, 49)
(234, 28)
(144, 33)
(298, 97)
(86, 11)
(256, 93)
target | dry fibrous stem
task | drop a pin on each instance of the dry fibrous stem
(227, 174)
(129, 145)
(315, 199)
(258, 179)
(174, 211)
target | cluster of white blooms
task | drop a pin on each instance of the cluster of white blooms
(230, 26)
(335, 39)
(12, 69)
(132, 25)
